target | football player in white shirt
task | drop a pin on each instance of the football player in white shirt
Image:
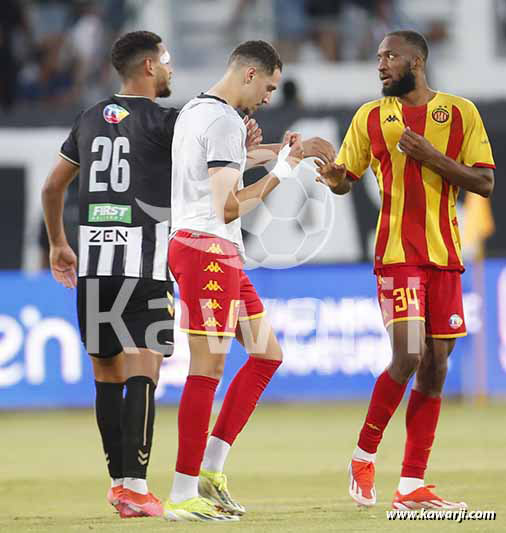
(206, 258)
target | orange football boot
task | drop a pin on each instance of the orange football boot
(361, 474)
(423, 498)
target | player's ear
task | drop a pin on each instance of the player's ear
(149, 66)
(417, 63)
(250, 74)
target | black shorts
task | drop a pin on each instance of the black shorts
(140, 309)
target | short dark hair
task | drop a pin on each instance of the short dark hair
(126, 51)
(259, 52)
(414, 38)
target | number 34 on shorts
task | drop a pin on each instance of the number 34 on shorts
(422, 293)
(401, 303)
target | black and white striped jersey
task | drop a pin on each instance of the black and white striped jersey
(123, 148)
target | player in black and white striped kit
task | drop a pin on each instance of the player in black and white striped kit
(121, 148)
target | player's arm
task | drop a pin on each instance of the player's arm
(230, 202)
(474, 179)
(261, 154)
(313, 147)
(335, 176)
(62, 258)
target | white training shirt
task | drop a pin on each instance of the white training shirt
(208, 133)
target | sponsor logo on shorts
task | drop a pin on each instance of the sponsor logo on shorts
(212, 285)
(215, 248)
(214, 267)
(109, 213)
(114, 114)
(211, 322)
(212, 304)
(455, 321)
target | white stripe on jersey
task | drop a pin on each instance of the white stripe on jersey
(161, 249)
(107, 239)
(105, 259)
(133, 253)
(83, 252)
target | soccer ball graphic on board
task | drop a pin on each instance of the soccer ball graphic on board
(292, 225)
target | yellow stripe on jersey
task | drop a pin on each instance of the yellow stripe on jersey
(394, 252)
(438, 253)
(376, 168)
(452, 202)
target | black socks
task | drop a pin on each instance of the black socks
(137, 421)
(108, 403)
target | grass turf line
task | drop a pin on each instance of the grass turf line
(288, 468)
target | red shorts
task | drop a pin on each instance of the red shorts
(422, 293)
(213, 288)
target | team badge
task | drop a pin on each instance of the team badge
(455, 321)
(114, 113)
(440, 115)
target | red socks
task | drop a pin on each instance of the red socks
(421, 420)
(193, 422)
(385, 399)
(242, 397)
(196, 404)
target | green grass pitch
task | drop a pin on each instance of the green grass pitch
(288, 468)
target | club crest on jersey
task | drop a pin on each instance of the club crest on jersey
(455, 321)
(440, 115)
(114, 113)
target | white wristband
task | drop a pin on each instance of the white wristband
(282, 169)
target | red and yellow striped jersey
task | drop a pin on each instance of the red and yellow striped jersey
(417, 223)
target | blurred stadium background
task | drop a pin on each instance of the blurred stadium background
(54, 61)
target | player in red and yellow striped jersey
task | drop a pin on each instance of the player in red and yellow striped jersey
(423, 146)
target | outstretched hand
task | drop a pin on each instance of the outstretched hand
(330, 174)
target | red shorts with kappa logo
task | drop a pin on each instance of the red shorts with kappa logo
(422, 293)
(214, 290)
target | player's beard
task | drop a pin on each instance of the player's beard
(165, 91)
(404, 85)
(163, 87)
